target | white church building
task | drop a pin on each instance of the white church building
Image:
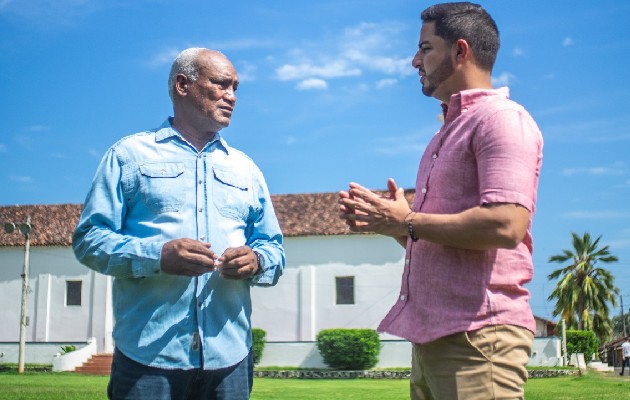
(333, 279)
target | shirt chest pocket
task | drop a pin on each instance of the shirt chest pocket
(232, 193)
(161, 186)
(448, 178)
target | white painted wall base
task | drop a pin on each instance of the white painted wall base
(69, 361)
(394, 354)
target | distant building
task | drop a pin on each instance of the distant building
(333, 279)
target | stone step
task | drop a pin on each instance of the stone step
(99, 364)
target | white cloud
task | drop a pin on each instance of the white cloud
(396, 145)
(50, 13)
(94, 153)
(357, 50)
(619, 168)
(241, 44)
(584, 214)
(619, 244)
(5, 3)
(505, 79)
(3, 148)
(518, 52)
(20, 179)
(568, 41)
(383, 83)
(37, 128)
(246, 72)
(165, 57)
(334, 69)
(312, 83)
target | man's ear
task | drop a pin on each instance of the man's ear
(462, 50)
(181, 84)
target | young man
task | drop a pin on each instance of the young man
(185, 225)
(467, 236)
(625, 355)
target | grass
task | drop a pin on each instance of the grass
(68, 386)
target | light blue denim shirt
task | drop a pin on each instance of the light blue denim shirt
(153, 187)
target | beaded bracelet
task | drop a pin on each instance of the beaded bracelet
(409, 223)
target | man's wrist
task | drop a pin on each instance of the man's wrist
(409, 226)
(260, 261)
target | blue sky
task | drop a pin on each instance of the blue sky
(327, 96)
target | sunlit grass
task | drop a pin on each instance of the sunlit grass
(69, 386)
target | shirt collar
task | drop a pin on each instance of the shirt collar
(166, 131)
(462, 100)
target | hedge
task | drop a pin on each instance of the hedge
(582, 342)
(258, 343)
(349, 349)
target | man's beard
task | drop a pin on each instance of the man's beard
(438, 76)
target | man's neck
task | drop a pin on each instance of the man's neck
(197, 138)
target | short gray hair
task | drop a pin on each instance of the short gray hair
(185, 63)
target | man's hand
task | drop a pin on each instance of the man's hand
(187, 257)
(366, 211)
(238, 263)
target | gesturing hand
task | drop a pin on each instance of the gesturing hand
(238, 263)
(187, 257)
(366, 211)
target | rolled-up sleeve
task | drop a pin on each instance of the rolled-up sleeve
(265, 237)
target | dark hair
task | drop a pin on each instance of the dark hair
(468, 21)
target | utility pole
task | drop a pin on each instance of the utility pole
(25, 229)
(564, 344)
(623, 317)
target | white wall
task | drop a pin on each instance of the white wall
(302, 304)
(50, 319)
(303, 301)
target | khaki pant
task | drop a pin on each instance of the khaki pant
(485, 364)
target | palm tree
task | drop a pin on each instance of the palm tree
(584, 290)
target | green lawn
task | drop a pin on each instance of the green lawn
(69, 386)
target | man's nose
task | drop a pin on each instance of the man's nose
(416, 61)
(230, 95)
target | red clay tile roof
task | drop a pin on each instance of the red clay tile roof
(312, 214)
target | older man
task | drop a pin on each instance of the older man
(185, 225)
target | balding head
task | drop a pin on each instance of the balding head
(186, 63)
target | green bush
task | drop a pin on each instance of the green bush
(258, 339)
(68, 348)
(349, 349)
(582, 342)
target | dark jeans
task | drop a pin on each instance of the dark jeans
(132, 380)
(625, 363)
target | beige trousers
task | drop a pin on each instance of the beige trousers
(485, 364)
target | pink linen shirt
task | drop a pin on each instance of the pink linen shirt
(489, 150)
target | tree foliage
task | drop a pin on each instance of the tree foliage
(584, 290)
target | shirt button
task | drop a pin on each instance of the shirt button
(403, 297)
(406, 261)
(434, 156)
(202, 238)
(200, 181)
(201, 210)
(423, 190)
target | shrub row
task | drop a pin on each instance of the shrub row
(342, 349)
